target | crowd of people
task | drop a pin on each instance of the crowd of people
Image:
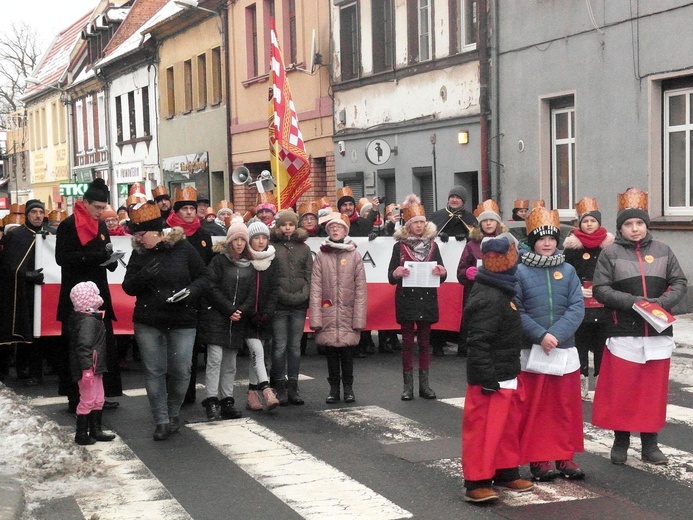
(534, 311)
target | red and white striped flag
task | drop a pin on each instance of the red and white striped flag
(289, 160)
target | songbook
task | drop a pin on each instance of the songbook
(590, 301)
(654, 314)
(420, 275)
(553, 364)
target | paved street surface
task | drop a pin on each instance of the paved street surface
(379, 458)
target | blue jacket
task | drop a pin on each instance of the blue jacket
(550, 301)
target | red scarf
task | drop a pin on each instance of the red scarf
(189, 229)
(313, 232)
(591, 241)
(353, 217)
(87, 226)
(118, 232)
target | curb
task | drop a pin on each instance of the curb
(11, 497)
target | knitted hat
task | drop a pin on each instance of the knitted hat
(33, 203)
(345, 199)
(146, 216)
(85, 296)
(587, 207)
(266, 206)
(237, 230)
(542, 222)
(337, 218)
(632, 204)
(97, 191)
(459, 191)
(201, 199)
(258, 228)
(499, 254)
(286, 215)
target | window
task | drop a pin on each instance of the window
(349, 42)
(424, 30)
(89, 112)
(145, 112)
(388, 191)
(170, 92)
(383, 35)
(356, 186)
(187, 78)
(293, 45)
(79, 119)
(563, 154)
(132, 115)
(678, 125)
(54, 123)
(251, 40)
(44, 128)
(419, 35)
(468, 25)
(101, 108)
(267, 13)
(216, 75)
(424, 177)
(202, 81)
(119, 118)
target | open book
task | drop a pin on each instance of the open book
(654, 314)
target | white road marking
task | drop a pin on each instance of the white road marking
(311, 487)
(137, 493)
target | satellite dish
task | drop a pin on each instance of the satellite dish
(241, 175)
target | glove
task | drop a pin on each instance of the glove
(586, 293)
(88, 376)
(399, 272)
(35, 277)
(470, 273)
(372, 236)
(259, 319)
(109, 250)
(489, 387)
(152, 269)
(443, 237)
(460, 237)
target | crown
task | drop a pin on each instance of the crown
(14, 218)
(225, 204)
(363, 206)
(144, 212)
(159, 191)
(57, 215)
(585, 205)
(186, 194)
(412, 207)
(521, 204)
(344, 191)
(500, 262)
(266, 197)
(311, 207)
(135, 198)
(538, 204)
(632, 198)
(17, 208)
(390, 208)
(324, 202)
(487, 205)
(542, 217)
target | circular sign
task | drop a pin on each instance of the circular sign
(378, 151)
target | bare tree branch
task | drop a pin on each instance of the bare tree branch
(19, 53)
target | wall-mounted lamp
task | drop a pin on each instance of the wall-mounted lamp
(462, 137)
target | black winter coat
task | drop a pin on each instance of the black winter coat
(266, 292)
(81, 264)
(181, 267)
(453, 223)
(87, 335)
(360, 227)
(201, 240)
(294, 261)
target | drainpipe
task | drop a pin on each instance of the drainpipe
(484, 108)
(224, 15)
(495, 95)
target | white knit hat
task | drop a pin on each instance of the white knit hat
(258, 228)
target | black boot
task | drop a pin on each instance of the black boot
(211, 406)
(408, 392)
(82, 432)
(294, 394)
(349, 396)
(280, 391)
(333, 397)
(227, 409)
(425, 390)
(95, 431)
(619, 451)
(650, 451)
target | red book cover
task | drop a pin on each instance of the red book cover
(591, 302)
(654, 314)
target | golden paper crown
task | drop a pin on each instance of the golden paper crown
(14, 218)
(390, 208)
(632, 198)
(57, 216)
(187, 194)
(344, 191)
(109, 212)
(311, 207)
(412, 207)
(521, 204)
(500, 262)
(248, 215)
(210, 211)
(539, 204)
(225, 204)
(144, 212)
(159, 191)
(363, 206)
(487, 205)
(17, 208)
(135, 198)
(542, 217)
(585, 205)
(266, 197)
(324, 202)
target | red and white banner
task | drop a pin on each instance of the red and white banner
(376, 258)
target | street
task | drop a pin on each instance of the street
(379, 458)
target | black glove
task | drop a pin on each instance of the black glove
(152, 269)
(460, 237)
(35, 277)
(259, 319)
(372, 236)
(443, 237)
(489, 387)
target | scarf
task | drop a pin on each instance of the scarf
(189, 229)
(118, 232)
(313, 232)
(591, 241)
(534, 260)
(504, 281)
(344, 245)
(87, 226)
(262, 259)
(353, 217)
(419, 247)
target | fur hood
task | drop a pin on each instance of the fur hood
(300, 235)
(171, 237)
(476, 235)
(430, 231)
(573, 242)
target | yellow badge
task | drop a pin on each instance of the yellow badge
(586, 256)
(649, 259)
(103, 237)
(557, 275)
(343, 261)
(512, 306)
(203, 243)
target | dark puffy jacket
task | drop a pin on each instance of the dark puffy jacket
(494, 332)
(414, 303)
(627, 272)
(550, 301)
(294, 261)
(266, 292)
(181, 267)
(231, 288)
(360, 227)
(87, 335)
(453, 223)
(201, 240)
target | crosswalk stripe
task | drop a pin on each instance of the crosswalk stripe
(311, 487)
(136, 495)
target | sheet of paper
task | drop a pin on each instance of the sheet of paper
(117, 255)
(420, 275)
(554, 364)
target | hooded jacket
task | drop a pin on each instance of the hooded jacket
(294, 263)
(87, 335)
(338, 291)
(471, 254)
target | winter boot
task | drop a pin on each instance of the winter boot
(95, 431)
(211, 406)
(280, 392)
(584, 387)
(349, 396)
(425, 391)
(408, 391)
(82, 432)
(271, 401)
(294, 395)
(333, 397)
(253, 400)
(650, 451)
(227, 409)
(619, 451)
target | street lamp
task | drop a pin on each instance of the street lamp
(64, 96)
(192, 4)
